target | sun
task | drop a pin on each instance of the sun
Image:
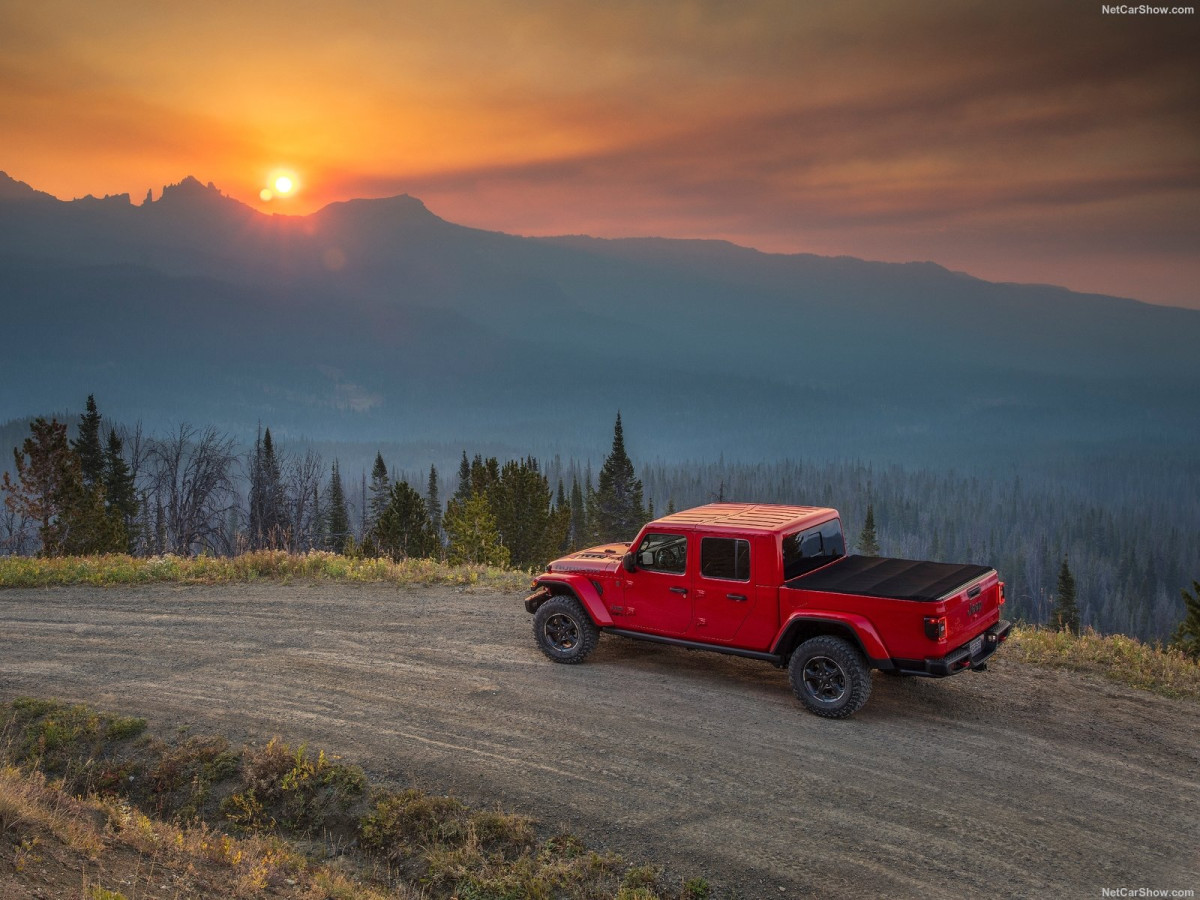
(280, 184)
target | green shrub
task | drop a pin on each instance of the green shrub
(291, 788)
(398, 822)
(122, 728)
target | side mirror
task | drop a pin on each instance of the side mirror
(629, 562)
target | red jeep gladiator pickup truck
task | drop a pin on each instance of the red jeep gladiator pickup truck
(773, 583)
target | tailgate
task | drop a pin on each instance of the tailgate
(972, 608)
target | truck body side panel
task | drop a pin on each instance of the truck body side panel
(868, 637)
(901, 623)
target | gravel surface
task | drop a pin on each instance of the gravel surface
(1017, 782)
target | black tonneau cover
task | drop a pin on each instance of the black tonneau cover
(898, 579)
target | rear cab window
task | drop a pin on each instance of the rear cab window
(804, 551)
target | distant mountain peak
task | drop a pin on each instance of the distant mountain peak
(400, 208)
(190, 187)
(11, 189)
(191, 194)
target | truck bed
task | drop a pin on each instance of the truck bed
(897, 579)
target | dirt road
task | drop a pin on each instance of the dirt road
(1019, 782)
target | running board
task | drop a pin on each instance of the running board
(773, 658)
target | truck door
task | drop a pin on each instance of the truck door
(723, 594)
(658, 592)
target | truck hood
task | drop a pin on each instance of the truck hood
(605, 558)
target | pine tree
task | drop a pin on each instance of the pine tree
(337, 517)
(578, 526)
(269, 526)
(616, 510)
(381, 486)
(120, 490)
(562, 506)
(529, 526)
(87, 446)
(484, 474)
(474, 536)
(868, 544)
(1187, 635)
(49, 490)
(1066, 613)
(434, 503)
(463, 491)
(46, 470)
(86, 527)
(404, 528)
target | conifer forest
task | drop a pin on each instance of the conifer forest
(80, 484)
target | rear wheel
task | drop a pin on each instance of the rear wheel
(829, 676)
(564, 630)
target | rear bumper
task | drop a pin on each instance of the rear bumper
(961, 658)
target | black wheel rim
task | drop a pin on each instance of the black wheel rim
(824, 679)
(561, 632)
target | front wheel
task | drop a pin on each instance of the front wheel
(564, 630)
(829, 676)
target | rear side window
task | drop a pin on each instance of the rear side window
(814, 547)
(725, 558)
(663, 553)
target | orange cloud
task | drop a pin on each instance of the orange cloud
(992, 137)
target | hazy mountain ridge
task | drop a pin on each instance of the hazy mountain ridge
(370, 318)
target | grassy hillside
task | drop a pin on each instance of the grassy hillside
(97, 807)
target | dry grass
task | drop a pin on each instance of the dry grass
(88, 794)
(39, 820)
(24, 571)
(29, 805)
(1116, 657)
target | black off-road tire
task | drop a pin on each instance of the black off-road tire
(830, 677)
(564, 630)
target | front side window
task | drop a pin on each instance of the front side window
(814, 547)
(663, 553)
(725, 558)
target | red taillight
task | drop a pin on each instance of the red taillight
(1002, 597)
(935, 628)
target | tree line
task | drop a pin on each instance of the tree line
(189, 491)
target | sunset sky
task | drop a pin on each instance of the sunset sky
(1017, 141)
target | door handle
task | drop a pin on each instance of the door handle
(740, 598)
(679, 590)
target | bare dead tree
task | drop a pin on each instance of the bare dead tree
(137, 456)
(302, 493)
(137, 451)
(16, 536)
(192, 478)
